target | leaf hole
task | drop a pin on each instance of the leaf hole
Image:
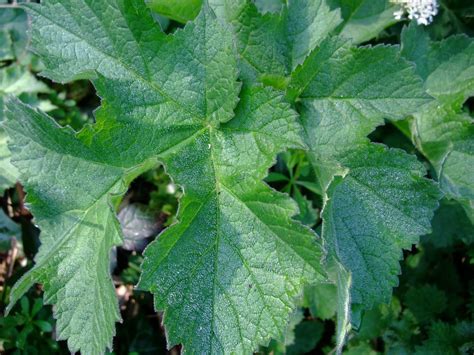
(391, 134)
(70, 104)
(149, 206)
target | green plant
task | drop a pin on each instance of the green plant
(215, 102)
(293, 175)
(16, 78)
(24, 330)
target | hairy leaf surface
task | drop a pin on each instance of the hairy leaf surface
(227, 274)
(380, 207)
(77, 222)
(345, 92)
(377, 201)
(446, 67)
(442, 131)
(273, 44)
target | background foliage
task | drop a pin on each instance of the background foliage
(432, 309)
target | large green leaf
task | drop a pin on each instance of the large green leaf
(345, 92)
(445, 135)
(227, 274)
(69, 192)
(273, 38)
(376, 200)
(381, 205)
(442, 131)
(447, 67)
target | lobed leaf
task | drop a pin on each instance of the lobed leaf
(273, 44)
(345, 92)
(376, 200)
(228, 273)
(174, 99)
(77, 223)
(441, 131)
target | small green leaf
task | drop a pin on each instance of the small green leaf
(445, 232)
(444, 338)
(37, 305)
(311, 186)
(276, 177)
(364, 19)
(308, 214)
(426, 302)
(21, 340)
(44, 326)
(320, 298)
(376, 321)
(25, 306)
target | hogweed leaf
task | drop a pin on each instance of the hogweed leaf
(436, 62)
(344, 92)
(376, 200)
(77, 223)
(227, 274)
(380, 207)
(441, 131)
(445, 135)
(206, 271)
(273, 44)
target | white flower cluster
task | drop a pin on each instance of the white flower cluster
(420, 10)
